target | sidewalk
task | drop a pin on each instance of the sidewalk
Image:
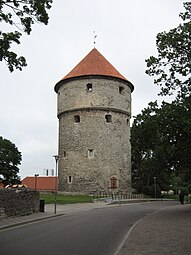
(165, 232)
(49, 213)
(60, 210)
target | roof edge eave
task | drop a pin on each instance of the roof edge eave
(61, 82)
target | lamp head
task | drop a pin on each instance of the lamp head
(56, 157)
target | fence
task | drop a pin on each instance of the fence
(116, 195)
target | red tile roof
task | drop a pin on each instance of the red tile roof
(93, 64)
(41, 182)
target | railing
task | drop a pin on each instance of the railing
(104, 195)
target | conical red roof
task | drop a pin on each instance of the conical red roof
(94, 64)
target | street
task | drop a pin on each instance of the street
(95, 232)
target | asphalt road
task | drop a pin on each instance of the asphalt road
(95, 232)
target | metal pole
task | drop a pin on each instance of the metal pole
(56, 183)
(35, 180)
(155, 187)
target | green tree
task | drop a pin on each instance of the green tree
(20, 14)
(172, 66)
(175, 121)
(172, 71)
(144, 138)
(10, 158)
(161, 144)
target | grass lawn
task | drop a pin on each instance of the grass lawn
(65, 199)
(175, 197)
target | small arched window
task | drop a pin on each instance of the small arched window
(77, 118)
(90, 153)
(121, 90)
(108, 118)
(89, 87)
(69, 179)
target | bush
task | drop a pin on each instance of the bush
(150, 191)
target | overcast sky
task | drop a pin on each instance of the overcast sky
(126, 35)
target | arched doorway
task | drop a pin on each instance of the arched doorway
(113, 182)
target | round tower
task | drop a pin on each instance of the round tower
(94, 109)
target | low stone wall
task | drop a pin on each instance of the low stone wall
(18, 202)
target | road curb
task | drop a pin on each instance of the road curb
(126, 237)
(12, 225)
(120, 247)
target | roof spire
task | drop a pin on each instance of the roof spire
(94, 38)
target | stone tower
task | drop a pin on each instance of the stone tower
(94, 109)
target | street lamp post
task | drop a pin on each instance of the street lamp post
(56, 183)
(155, 184)
(35, 180)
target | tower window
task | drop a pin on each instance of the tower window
(90, 153)
(64, 154)
(121, 90)
(69, 179)
(89, 87)
(108, 118)
(76, 118)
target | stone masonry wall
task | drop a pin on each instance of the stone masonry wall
(105, 93)
(18, 202)
(111, 155)
(92, 150)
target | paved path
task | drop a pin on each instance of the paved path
(49, 213)
(166, 232)
(60, 210)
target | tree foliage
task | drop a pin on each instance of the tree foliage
(20, 14)
(10, 158)
(161, 144)
(172, 66)
(161, 136)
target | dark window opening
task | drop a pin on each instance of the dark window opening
(127, 121)
(90, 153)
(121, 90)
(113, 182)
(64, 154)
(89, 87)
(69, 179)
(77, 118)
(108, 118)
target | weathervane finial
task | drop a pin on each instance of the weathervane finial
(94, 38)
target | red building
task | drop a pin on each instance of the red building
(42, 183)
